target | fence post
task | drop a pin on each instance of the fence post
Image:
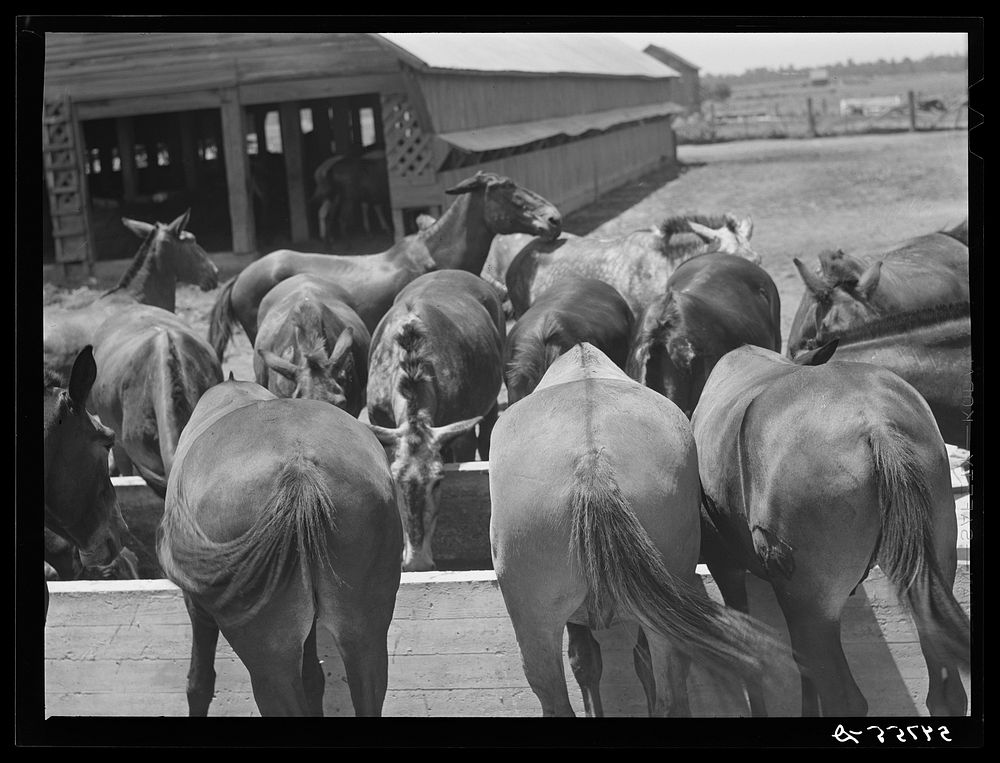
(913, 111)
(812, 118)
(711, 116)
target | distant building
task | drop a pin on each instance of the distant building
(819, 77)
(687, 90)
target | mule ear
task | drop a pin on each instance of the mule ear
(813, 282)
(425, 221)
(83, 376)
(279, 365)
(138, 227)
(869, 281)
(817, 357)
(445, 434)
(706, 234)
(744, 227)
(469, 184)
(385, 435)
(344, 342)
(179, 225)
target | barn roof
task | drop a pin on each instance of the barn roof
(524, 53)
(523, 133)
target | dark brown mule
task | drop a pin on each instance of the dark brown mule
(279, 515)
(169, 254)
(80, 502)
(712, 304)
(487, 205)
(811, 475)
(574, 311)
(312, 344)
(594, 492)
(152, 368)
(930, 348)
(853, 288)
(637, 265)
(434, 373)
(348, 189)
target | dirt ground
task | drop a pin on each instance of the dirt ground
(803, 195)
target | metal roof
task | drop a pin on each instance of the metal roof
(522, 133)
(652, 50)
(525, 52)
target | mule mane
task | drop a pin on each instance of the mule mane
(138, 261)
(531, 360)
(899, 323)
(314, 349)
(673, 249)
(414, 370)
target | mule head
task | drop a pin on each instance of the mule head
(418, 469)
(80, 501)
(509, 208)
(175, 250)
(317, 375)
(661, 355)
(731, 238)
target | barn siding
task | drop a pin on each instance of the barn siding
(465, 102)
(575, 174)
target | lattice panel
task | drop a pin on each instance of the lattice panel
(64, 177)
(407, 146)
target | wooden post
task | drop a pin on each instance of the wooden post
(913, 111)
(237, 173)
(291, 144)
(126, 152)
(398, 229)
(812, 117)
(711, 118)
(189, 153)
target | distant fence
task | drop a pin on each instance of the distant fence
(813, 117)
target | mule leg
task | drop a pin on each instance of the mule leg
(585, 660)
(643, 663)
(485, 430)
(201, 674)
(123, 464)
(541, 656)
(670, 670)
(827, 684)
(313, 679)
(366, 662)
(382, 219)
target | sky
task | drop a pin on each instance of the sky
(734, 53)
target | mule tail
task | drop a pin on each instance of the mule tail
(624, 572)
(906, 549)
(221, 320)
(172, 406)
(290, 535)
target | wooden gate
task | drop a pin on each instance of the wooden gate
(63, 149)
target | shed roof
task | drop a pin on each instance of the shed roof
(653, 50)
(523, 133)
(525, 53)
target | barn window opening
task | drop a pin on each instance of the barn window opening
(272, 132)
(116, 160)
(252, 147)
(306, 120)
(95, 161)
(162, 155)
(141, 157)
(366, 117)
(207, 150)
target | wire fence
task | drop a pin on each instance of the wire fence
(823, 117)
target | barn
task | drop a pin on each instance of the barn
(687, 88)
(233, 125)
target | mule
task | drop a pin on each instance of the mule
(637, 265)
(712, 304)
(594, 493)
(80, 505)
(312, 343)
(487, 205)
(574, 311)
(153, 368)
(812, 474)
(350, 187)
(279, 515)
(169, 254)
(930, 348)
(848, 289)
(434, 372)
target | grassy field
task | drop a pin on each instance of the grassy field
(804, 196)
(779, 109)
